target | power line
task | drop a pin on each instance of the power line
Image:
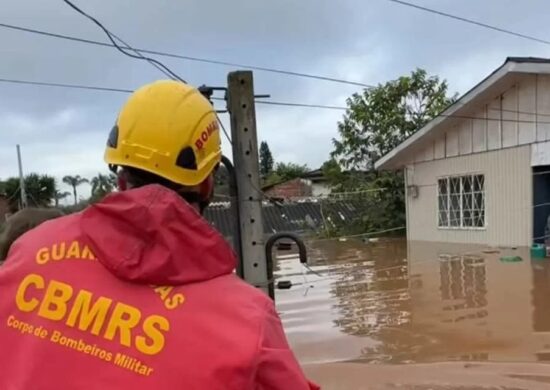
(62, 85)
(471, 21)
(189, 58)
(267, 102)
(285, 104)
(123, 90)
(159, 65)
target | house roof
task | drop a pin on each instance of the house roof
(286, 217)
(501, 78)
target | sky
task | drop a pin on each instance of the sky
(63, 131)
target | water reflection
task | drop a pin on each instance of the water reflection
(463, 286)
(446, 302)
(541, 296)
(371, 294)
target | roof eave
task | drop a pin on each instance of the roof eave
(390, 161)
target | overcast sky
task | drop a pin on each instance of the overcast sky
(63, 131)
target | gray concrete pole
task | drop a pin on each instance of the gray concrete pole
(22, 190)
(240, 96)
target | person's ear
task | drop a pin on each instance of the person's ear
(206, 189)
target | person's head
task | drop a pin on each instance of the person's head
(167, 133)
(20, 223)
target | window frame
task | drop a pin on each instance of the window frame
(460, 177)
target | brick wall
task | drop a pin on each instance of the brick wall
(291, 189)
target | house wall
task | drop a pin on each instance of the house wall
(508, 198)
(320, 189)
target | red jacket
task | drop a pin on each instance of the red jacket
(136, 292)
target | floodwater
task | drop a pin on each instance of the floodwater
(390, 310)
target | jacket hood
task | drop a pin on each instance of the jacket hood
(151, 235)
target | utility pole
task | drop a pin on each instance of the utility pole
(21, 179)
(240, 97)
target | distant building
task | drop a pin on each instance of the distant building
(480, 171)
(311, 184)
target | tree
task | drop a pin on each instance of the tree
(266, 160)
(74, 181)
(10, 188)
(102, 185)
(40, 190)
(376, 121)
(60, 196)
(380, 118)
(289, 171)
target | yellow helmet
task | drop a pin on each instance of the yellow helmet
(167, 128)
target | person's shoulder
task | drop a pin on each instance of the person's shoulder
(53, 228)
(243, 293)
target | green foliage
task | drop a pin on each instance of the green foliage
(40, 190)
(60, 195)
(379, 201)
(266, 160)
(380, 118)
(10, 187)
(289, 171)
(102, 185)
(74, 181)
(376, 121)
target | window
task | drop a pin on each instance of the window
(461, 202)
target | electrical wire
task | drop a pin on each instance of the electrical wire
(189, 58)
(158, 65)
(62, 85)
(124, 90)
(288, 104)
(338, 238)
(225, 132)
(168, 73)
(164, 69)
(272, 103)
(471, 21)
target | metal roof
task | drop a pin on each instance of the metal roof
(288, 217)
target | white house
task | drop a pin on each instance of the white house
(480, 171)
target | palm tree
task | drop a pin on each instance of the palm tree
(60, 196)
(74, 181)
(40, 189)
(102, 185)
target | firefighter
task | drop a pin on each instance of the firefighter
(138, 290)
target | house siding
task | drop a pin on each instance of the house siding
(518, 116)
(508, 197)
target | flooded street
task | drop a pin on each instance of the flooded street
(387, 303)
